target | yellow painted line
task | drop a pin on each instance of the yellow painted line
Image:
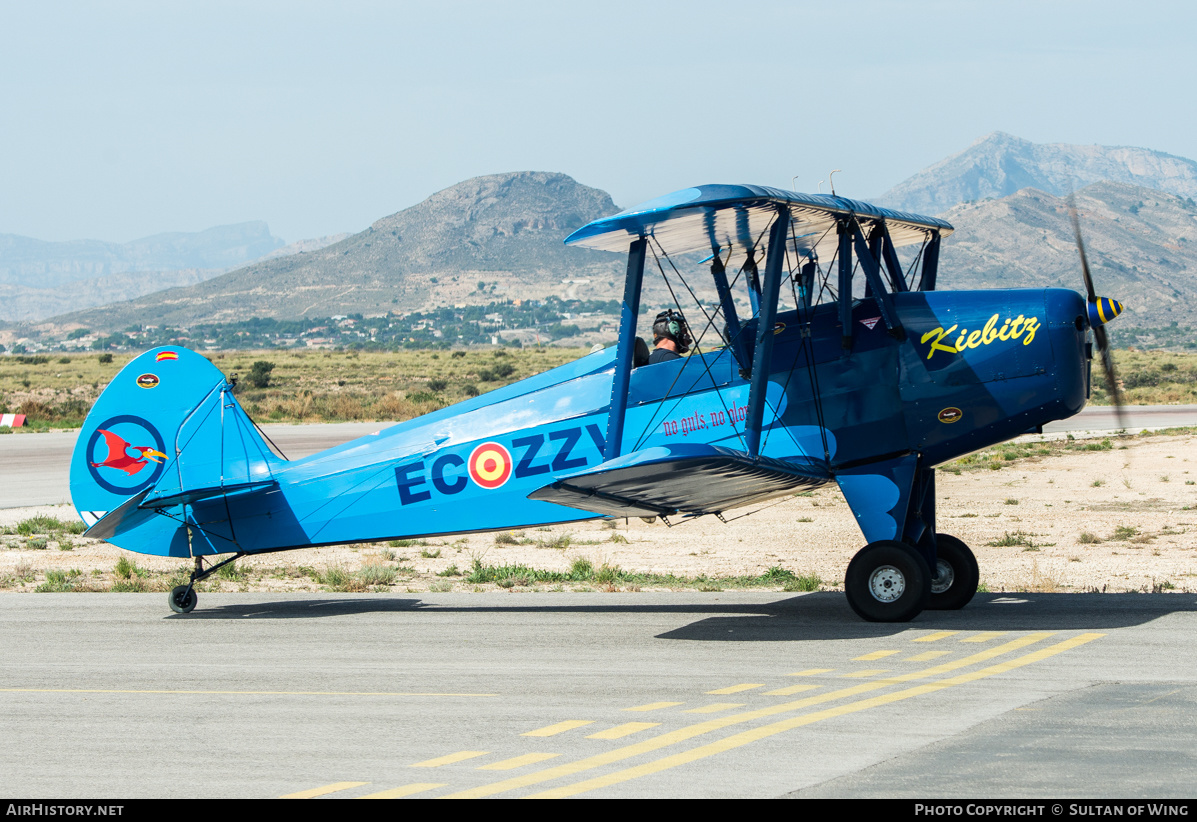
(517, 762)
(718, 723)
(560, 727)
(926, 656)
(236, 693)
(864, 673)
(324, 789)
(405, 790)
(449, 759)
(715, 707)
(936, 637)
(790, 691)
(984, 637)
(756, 734)
(812, 672)
(735, 689)
(875, 655)
(626, 729)
(655, 706)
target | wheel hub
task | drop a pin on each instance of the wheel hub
(887, 584)
(946, 577)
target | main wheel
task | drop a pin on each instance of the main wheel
(887, 582)
(183, 599)
(958, 574)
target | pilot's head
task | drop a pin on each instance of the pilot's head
(671, 325)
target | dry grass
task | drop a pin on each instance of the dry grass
(305, 386)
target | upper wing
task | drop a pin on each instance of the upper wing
(709, 217)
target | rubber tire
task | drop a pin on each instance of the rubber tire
(180, 602)
(966, 574)
(900, 557)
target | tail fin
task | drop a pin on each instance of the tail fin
(168, 431)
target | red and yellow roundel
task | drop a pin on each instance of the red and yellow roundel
(490, 465)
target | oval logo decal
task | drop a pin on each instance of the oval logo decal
(125, 454)
(490, 465)
(950, 415)
(147, 380)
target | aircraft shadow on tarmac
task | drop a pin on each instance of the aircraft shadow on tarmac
(810, 616)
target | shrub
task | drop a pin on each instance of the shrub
(105, 359)
(259, 374)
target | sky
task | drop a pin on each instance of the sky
(119, 120)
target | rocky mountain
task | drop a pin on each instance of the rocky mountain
(483, 239)
(999, 164)
(500, 236)
(1141, 243)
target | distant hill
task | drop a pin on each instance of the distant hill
(500, 236)
(504, 231)
(1141, 243)
(999, 164)
(39, 278)
(24, 260)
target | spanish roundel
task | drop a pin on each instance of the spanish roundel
(490, 465)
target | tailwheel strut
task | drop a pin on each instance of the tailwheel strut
(182, 598)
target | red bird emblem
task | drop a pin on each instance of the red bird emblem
(119, 458)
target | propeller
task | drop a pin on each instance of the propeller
(1100, 310)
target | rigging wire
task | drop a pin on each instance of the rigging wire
(697, 348)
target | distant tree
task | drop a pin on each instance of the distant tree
(259, 374)
(105, 359)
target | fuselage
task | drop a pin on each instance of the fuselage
(976, 368)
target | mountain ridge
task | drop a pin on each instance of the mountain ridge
(999, 164)
(504, 230)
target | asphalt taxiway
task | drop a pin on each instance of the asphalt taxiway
(600, 695)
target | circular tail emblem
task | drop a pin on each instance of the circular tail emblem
(490, 465)
(950, 415)
(125, 454)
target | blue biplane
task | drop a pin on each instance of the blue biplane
(832, 361)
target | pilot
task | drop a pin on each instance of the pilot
(671, 337)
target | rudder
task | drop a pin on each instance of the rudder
(168, 428)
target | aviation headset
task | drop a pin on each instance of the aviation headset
(671, 325)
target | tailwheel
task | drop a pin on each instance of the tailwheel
(887, 582)
(182, 599)
(958, 574)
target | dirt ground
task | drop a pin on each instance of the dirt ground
(1123, 519)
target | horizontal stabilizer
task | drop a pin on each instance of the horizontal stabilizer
(128, 515)
(689, 478)
(191, 495)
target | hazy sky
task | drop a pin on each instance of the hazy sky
(120, 120)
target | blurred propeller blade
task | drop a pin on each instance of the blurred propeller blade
(1099, 331)
(1107, 365)
(1090, 292)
